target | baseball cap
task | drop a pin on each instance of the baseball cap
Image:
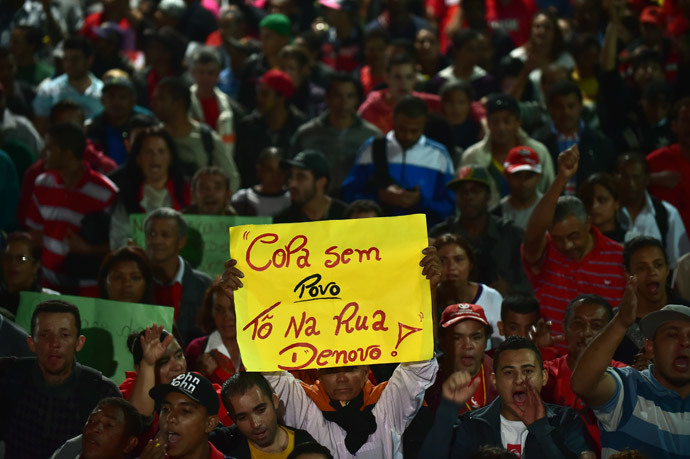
(463, 311)
(522, 158)
(500, 102)
(279, 23)
(654, 320)
(108, 30)
(279, 81)
(653, 15)
(193, 385)
(120, 82)
(312, 160)
(470, 174)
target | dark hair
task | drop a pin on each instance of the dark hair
(133, 419)
(514, 343)
(134, 344)
(130, 193)
(520, 303)
(127, 253)
(177, 89)
(402, 44)
(456, 239)
(400, 59)
(587, 298)
(603, 179)
(410, 106)
(558, 44)
(69, 136)
(78, 43)
(646, 56)
(459, 85)
(633, 157)
(204, 318)
(21, 236)
(492, 452)
(311, 40)
(640, 242)
(56, 306)
(240, 383)
(310, 448)
(563, 88)
(63, 106)
(344, 78)
(206, 55)
(34, 35)
(211, 170)
(270, 153)
(296, 53)
(461, 38)
(140, 121)
(377, 33)
(363, 205)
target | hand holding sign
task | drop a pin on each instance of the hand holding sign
(327, 294)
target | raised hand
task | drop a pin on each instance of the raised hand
(541, 335)
(459, 387)
(230, 280)
(627, 310)
(567, 162)
(533, 408)
(431, 265)
(152, 346)
(206, 364)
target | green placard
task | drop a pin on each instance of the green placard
(106, 325)
(207, 238)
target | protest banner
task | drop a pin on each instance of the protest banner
(106, 325)
(207, 244)
(332, 293)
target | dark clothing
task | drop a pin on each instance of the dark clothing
(12, 339)
(229, 440)
(310, 99)
(638, 134)
(560, 434)
(252, 70)
(294, 214)
(597, 152)
(497, 252)
(20, 101)
(197, 22)
(38, 418)
(98, 129)
(253, 135)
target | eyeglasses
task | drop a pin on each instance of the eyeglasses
(17, 258)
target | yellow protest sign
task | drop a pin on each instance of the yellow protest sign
(332, 293)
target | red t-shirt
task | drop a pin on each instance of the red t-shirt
(559, 391)
(377, 109)
(211, 111)
(514, 18)
(671, 159)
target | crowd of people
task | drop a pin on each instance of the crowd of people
(547, 142)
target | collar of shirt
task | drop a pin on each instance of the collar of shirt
(648, 208)
(390, 137)
(575, 137)
(178, 276)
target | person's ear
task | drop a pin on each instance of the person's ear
(544, 377)
(80, 342)
(31, 344)
(500, 328)
(649, 348)
(275, 401)
(132, 443)
(211, 423)
(493, 379)
(181, 243)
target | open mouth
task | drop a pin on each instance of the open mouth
(467, 361)
(681, 364)
(173, 439)
(653, 288)
(261, 435)
(519, 397)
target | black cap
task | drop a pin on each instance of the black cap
(499, 102)
(194, 386)
(312, 160)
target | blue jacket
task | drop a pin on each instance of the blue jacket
(561, 434)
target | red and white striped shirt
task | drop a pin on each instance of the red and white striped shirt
(55, 209)
(561, 279)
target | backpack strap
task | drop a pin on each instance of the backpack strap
(661, 217)
(382, 177)
(207, 142)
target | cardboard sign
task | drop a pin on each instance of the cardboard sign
(106, 325)
(332, 293)
(206, 247)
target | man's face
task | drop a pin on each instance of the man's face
(163, 106)
(55, 341)
(344, 383)
(655, 110)
(565, 112)
(467, 56)
(342, 100)
(517, 324)
(270, 173)
(468, 341)
(427, 45)
(206, 75)
(75, 63)
(118, 102)
(18, 44)
(587, 321)
(187, 424)
(270, 43)
(542, 33)
(55, 157)
(455, 264)
(456, 107)
(670, 350)
(523, 185)
(646, 72)
(163, 241)
(105, 434)
(633, 180)
(295, 71)
(408, 130)
(211, 194)
(472, 198)
(651, 269)
(515, 370)
(302, 185)
(401, 80)
(681, 126)
(374, 50)
(255, 415)
(503, 126)
(571, 237)
(266, 99)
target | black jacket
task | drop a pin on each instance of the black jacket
(229, 440)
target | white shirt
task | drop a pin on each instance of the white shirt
(489, 299)
(513, 433)
(677, 243)
(518, 216)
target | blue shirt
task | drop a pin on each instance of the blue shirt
(52, 91)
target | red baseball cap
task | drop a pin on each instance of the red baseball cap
(462, 311)
(522, 158)
(279, 81)
(653, 15)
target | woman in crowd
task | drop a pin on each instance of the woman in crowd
(600, 195)
(151, 178)
(457, 264)
(216, 355)
(456, 108)
(126, 276)
(21, 270)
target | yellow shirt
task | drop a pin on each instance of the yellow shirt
(258, 454)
